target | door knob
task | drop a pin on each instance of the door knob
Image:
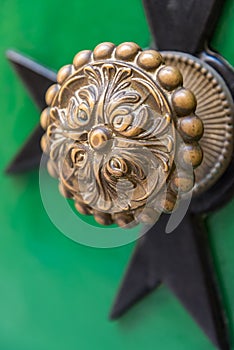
(122, 134)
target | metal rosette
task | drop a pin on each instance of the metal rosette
(122, 134)
(215, 108)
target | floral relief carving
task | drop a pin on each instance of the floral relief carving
(111, 135)
(114, 175)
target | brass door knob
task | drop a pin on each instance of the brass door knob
(122, 134)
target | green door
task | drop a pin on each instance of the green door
(55, 293)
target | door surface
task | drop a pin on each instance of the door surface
(55, 293)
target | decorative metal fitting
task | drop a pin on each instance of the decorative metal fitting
(122, 134)
(215, 109)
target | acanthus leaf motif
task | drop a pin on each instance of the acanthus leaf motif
(124, 174)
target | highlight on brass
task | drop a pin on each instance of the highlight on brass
(214, 107)
(121, 134)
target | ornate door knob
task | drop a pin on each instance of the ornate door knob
(122, 134)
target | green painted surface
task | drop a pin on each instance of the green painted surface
(54, 293)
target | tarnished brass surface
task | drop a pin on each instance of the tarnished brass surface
(122, 134)
(214, 107)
